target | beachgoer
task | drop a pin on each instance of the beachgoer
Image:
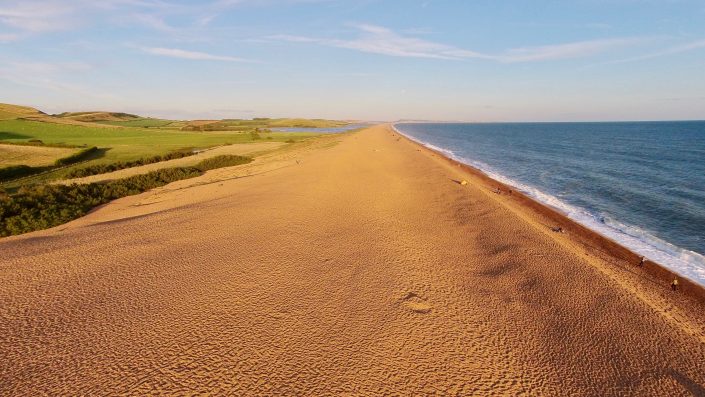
(642, 261)
(674, 284)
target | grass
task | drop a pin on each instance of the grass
(8, 112)
(119, 165)
(20, 171)
(118, 144)
(81, 155)
(97, 116)
(306, 123)
(222, 161)
(31, 155)
(265, 123)
(124, 144)
(41, 207)
(140, 123)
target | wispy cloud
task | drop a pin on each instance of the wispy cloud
(192, 55)
(380, 40)
(28, 17)
(153, 22)
(384, 41)
(51, 76)
(693, 45)
(36, 17)
(563, 51)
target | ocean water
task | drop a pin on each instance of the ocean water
(639, 183)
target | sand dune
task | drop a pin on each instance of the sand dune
(356, 268)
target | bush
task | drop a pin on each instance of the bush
(19, 171)
(45, 206)
(76, 157)
(222, 161)
(105, 168)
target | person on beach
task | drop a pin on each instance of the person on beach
(641, 262)
(674, 284)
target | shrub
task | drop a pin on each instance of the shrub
(76, 157)
(45, 206)
(19, 171)
(105, 168)
(222, 161)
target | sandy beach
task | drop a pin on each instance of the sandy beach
(352, 264)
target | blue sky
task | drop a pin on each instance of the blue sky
(487, 60)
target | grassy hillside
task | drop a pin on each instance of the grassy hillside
(120, 137)
(259, 123)
(305, 123)
(124, 143)
(10, 112)
(15, 112)
(93, 117)
(118, 144)
(142, 122)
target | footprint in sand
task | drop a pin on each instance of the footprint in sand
(416, 304)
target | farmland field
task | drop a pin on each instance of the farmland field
(33, 156)
(128, 143)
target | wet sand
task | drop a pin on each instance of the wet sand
(353, 265)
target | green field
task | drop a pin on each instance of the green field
(127, 143)
(140, 123)
(120, 144)
(118, 137)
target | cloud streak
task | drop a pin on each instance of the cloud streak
(384, 41)
(191, 55)
(691, 46)
(51, 76)
(31, 17)
(380, 40)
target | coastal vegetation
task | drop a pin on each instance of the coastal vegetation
(42, 148)
(222, 161)
(119, 165)
(81, 155)
(23, 170)
(121, 140)
(44, 206)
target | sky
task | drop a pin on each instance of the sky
(453, 60)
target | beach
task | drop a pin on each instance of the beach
(354, 264)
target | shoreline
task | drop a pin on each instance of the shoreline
(585, 236)
(269, 278)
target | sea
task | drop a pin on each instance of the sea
(641, 184)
